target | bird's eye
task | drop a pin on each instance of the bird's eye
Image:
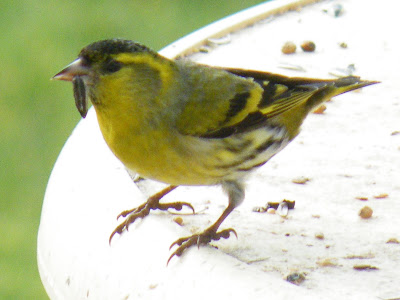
(112, 66)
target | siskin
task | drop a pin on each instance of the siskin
(183, 123)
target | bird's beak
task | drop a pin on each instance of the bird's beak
(76, 68)
(76, 72)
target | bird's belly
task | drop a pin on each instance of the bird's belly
(188, 160)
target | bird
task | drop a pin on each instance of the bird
(188, 124)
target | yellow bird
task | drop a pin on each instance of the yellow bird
(183, 123)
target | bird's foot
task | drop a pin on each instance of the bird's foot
(143, 210)
(205, 237)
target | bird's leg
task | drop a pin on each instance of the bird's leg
(236, 195)
(143, 210)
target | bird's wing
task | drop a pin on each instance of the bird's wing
(245, 104)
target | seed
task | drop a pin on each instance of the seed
(366, 212)
(393, 241)
(178, 220)
(308, 46)
(327, 262)
(320, 109)
(381, 196)
(301, 180)
(364, 267)
(289, 48)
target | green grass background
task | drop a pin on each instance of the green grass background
(38, 38)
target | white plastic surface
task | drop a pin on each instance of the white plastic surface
(350, 151)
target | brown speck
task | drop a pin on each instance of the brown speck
(296, 278)
(272, 207)
(290, 203)
(347, 176)
(362, 198)
(381, 196)
(178, 220)
(288, 48)
(138, 178)
(204, 49)
(301, 180)
(153, 286)
(320, 109)
(343, 45)
(392, 241)
(365, 212)
(327, 262)
(308, 46)
(364, 267)
(319, 235)
(360, 256)
(260, 209)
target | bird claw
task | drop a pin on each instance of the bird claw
(131, 211)
(142, 211)
(197, 239)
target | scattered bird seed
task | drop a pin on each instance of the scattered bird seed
(366, 212)
(272, 207)
(320, 109)
(289, 48)
(296, 278)
(301, 180)
(392, 241)
(327, 262)
(308, 46)
(178, 220)
(204, 49)
(364, 267)
(368, 255)
(381, 196)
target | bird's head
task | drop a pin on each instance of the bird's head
(99, 60)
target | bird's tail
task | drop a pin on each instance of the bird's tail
(337, 87)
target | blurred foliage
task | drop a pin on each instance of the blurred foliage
(38, 38)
